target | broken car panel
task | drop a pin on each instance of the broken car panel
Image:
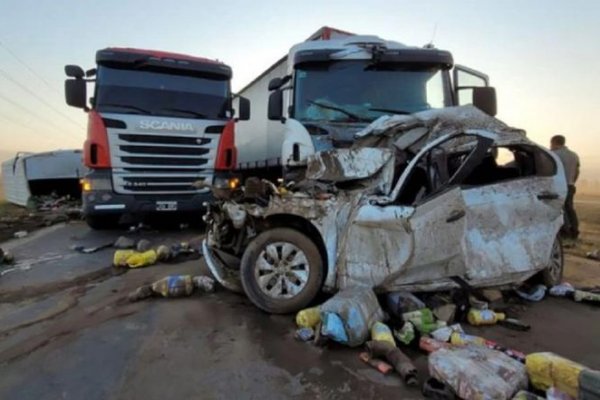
(417, 200)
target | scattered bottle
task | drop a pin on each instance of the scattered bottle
(382, 333)
(484, 317)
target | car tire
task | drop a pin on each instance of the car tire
(553, 274)
(281, 271)
(102, 222)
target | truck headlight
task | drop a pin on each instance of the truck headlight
(88, 184)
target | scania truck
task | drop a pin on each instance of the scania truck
(334, 84)
(154, 123)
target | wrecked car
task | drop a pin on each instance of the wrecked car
(421, 202)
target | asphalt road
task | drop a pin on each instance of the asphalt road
(78, 338)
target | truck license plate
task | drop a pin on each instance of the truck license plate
(166, 206)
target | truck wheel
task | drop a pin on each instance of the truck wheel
(553, 274)
(281, 271)
(102, 222)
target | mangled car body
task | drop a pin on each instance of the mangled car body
(417, 202)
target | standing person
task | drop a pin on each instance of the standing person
(570, 161)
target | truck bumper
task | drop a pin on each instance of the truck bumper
(102, 200)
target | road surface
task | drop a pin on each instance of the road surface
(78, 338)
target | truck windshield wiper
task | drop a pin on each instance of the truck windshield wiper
(390, 110)
(141, 110)
(190, 112)
(346, 112)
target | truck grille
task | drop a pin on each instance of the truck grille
(156, 163)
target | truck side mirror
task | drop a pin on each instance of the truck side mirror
(276, 83)
(484, 98)
(74, 71)
(275, 112)
(75, 93)
(243, 109)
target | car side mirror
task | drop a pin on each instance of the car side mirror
(484, 98)
(276, 83)
(243, 109)
(75, 93)
(74, 71)
(275, 112)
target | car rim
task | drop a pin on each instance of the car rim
(281, 270)
(555, 261)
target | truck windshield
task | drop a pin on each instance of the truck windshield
(161, 94)
(362, 91)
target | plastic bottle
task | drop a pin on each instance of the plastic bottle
(484, 317)
(308, 318)
(461, 339)
(548, 370)
(382, 333)
(174, 286)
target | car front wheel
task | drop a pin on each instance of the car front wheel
(281, 271)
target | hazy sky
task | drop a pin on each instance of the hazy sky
(543, 57)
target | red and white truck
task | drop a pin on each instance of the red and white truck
(154, 123)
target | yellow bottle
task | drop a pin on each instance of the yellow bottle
(382, 333)
(484, 317)
(308, 318)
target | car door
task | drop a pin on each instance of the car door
(511, 225)
(411, 241)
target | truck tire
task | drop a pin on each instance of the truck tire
(281, 271)
(102, 222)
(553, 274)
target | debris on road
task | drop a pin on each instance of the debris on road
(484, 317)
(429, 345)
(396, 358)
(20, 234)
(402, 302)
(535, 293)
(348, 316)
(305, 334)
(525, 395)
(174, 286)
(143, 245)
(406, 334)
(380, 332)
(134, 259)
(93, 249)
(6, 258)
(123, 243)
(515, 324)
(548, 370)
(589, 297)
(309, 317)
(434, 389)
(593, 255)
(478, 372)
(376, 363)
(562, 290)
(423, 320)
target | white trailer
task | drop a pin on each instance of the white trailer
(259, 139)
(32, 174)
(334, 84)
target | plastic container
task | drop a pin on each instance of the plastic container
(484, 317)
(476, 372)
(548, 370)
(138, 260)
(423, 320)
(382, 333)
(308, 318)
(358, 310)
(402, 302)
(407, 334)
(174, 286)
(120, 257)
(462, 339)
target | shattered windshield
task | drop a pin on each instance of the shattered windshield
(161, 94)
(362, 91)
